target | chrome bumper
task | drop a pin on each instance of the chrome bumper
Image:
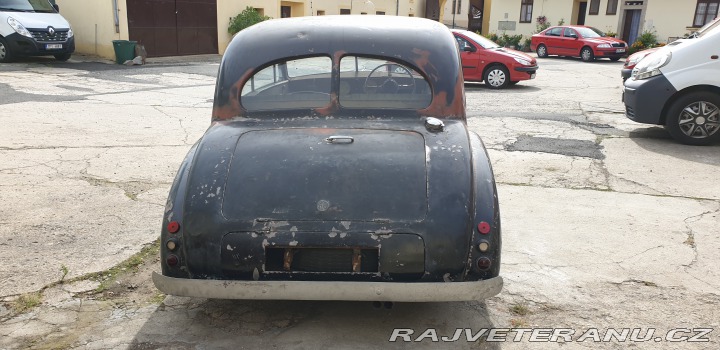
(329, 290)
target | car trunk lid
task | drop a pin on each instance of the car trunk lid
(327, 174)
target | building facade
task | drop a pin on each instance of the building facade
(668, 19)
(187, 27)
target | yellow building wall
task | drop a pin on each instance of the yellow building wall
(603, 21)
(669, 18)
(93, 24)
(503, 10)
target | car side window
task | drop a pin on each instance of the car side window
(570, 33)
(554, 32)
(462, 43)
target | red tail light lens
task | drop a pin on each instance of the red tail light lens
(484, 227)
(173, 227)
(484, 263)
(172, 260)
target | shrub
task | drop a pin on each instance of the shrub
(493, 37)
(637, 46)
(511, 40)
(542, 24)
(610, 34)
(647, 38)
(246, 18)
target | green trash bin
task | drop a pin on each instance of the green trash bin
(124, 50)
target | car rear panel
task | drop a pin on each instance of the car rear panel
(392, 205)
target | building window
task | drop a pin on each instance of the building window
(321, 13)
(379, 12)
(344, 11)
(594, 7)
(705, 12)
(526, 11)
(612, 7)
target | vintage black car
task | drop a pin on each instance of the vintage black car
(338, 166)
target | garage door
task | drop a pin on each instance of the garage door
(174, 27)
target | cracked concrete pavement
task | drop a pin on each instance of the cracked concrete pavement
(606, 223)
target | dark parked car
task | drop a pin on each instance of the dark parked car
(338, 166)
(498, 67)
(577, 41)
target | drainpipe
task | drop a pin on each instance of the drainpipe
(117, 18)
(397, 8)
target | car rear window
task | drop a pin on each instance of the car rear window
(305, 83)
(294, 84)
(381, 83)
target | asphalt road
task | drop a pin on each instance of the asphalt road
(606, 223)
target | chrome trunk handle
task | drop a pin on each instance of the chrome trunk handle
(340, 139)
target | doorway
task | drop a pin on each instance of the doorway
(582, 10)
(631, 26)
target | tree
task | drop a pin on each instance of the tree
(246, 18)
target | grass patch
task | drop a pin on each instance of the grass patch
(26, 302)
(108, 277)
(520, 310)
(158, 298)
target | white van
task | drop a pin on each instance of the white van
(33, 28)
(679, 86)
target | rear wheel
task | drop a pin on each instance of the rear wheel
(5, 55)
(587, 54)
(63, 57)
(694, 119)
(542, 51)
(497, 77)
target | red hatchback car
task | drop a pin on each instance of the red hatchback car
(498, 67)
(577, 41)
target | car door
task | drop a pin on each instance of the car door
(470, 56)
(571, 43)
(553, 40)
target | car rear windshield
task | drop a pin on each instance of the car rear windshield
(365, 82)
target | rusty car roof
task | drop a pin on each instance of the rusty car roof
(427, 45)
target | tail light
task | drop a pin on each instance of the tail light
(484, 263)
(484, 227)
(173, 227)
(172, 260)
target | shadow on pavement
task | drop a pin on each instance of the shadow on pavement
(518, 88)
(233, 324)
(657, 140)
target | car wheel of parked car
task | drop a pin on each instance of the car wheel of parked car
(542, 51)
(497, 77)
(694, 119)
(63, 57)
(587, 54)
(5, 55)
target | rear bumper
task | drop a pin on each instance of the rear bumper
(329, 290)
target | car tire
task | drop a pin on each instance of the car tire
(63, 57)
(496, 77)
(587, 55)
(694, 119)
(5, 54)
(542, 51)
